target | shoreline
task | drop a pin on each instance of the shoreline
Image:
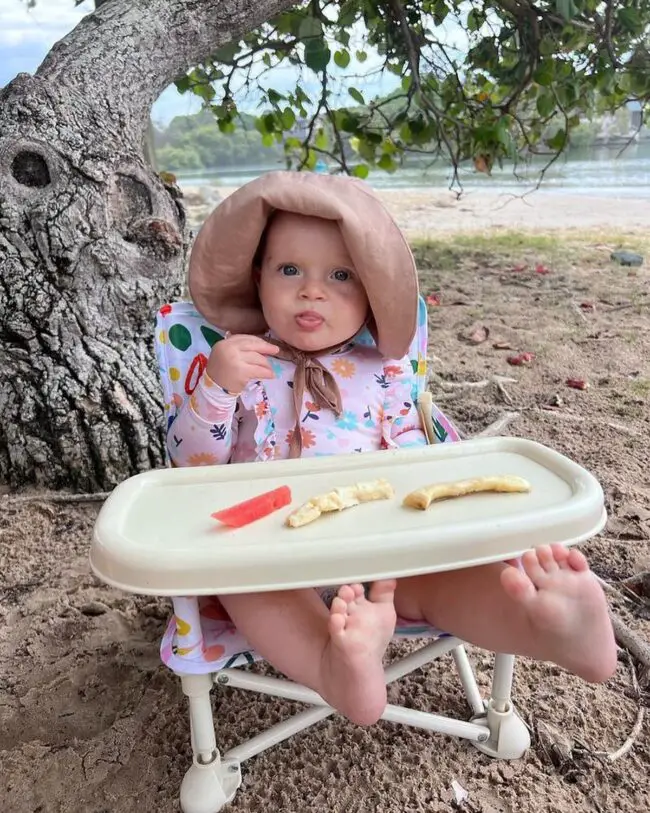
(422, 213)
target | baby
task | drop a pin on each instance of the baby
(295, 266)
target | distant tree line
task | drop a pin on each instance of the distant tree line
(195, 142)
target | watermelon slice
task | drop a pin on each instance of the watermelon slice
(257, 507)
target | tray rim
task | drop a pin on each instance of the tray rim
(582, 483)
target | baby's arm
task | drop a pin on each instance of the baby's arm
(204, 432)
(400, 410)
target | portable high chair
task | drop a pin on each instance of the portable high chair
(203, 648)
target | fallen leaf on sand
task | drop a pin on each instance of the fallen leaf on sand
(502, 346)
(542, 269)
(521, 359)
(433, 299)
(577, 383)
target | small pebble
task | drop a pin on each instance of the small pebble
(626, 257)
(93, 608)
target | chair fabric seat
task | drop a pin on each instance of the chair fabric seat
(200, 638)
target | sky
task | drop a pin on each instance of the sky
(26, 36)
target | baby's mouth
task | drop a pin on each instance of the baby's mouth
(309, 320)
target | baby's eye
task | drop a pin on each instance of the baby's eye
(289, 270)
(341, 275)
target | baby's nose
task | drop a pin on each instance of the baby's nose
(312, 289)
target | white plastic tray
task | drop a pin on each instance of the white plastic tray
(154, 534)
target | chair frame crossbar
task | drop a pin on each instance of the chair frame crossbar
(212, 780)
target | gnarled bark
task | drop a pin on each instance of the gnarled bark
(92, 242)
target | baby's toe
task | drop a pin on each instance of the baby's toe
(546, 559)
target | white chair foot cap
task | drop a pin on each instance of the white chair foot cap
(207, 788)
(509, 735)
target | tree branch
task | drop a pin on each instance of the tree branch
(127, 52)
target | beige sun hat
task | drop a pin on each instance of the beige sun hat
(221, 279)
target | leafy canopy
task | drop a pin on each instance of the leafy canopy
(525, 73)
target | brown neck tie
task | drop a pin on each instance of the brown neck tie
(313, 377)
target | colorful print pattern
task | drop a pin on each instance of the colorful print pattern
(200, 638)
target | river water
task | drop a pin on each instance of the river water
(590, 171)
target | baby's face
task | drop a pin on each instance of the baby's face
(310, 294)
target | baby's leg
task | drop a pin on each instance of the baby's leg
(552, 610)
(337, 652)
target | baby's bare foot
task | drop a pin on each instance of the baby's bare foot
(360, 630)
(567, 611)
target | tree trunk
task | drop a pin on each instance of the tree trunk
(92, 242)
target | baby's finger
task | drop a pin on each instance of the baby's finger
(255, 357)
(263, 371)
(257, 345)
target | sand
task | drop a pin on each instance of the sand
(432, 212)
(90, 720)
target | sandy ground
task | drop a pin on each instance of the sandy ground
(91, 722)
(425, 212)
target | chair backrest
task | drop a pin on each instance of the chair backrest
(184, 339)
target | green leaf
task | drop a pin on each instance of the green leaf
(288, 22)
(348, 14)
(342, 58)
(547, 46)
(321, 141)
(273, 96)
(268, 140)
(545, 104)
(226, 126)
(387, 163)
(440, 11)
(206, 92)
(405, 133)
(630, 19)
(566, 8)
(310, 28)
(288, 118)
(317, 55)
(226, 53)
(349, 122)
(475, 20)
(366, 149)
(558, 141)
(301, 96)
(357, 95)
(361, 56)
(545, 73)
(361, 171)
(183, 84)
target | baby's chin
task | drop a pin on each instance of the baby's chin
(318, 340)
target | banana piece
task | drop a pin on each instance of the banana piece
(338, 499)
(423, 497)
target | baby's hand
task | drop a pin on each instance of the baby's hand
(239, 359)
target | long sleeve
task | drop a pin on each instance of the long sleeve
(402, 425)
(204, 432)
